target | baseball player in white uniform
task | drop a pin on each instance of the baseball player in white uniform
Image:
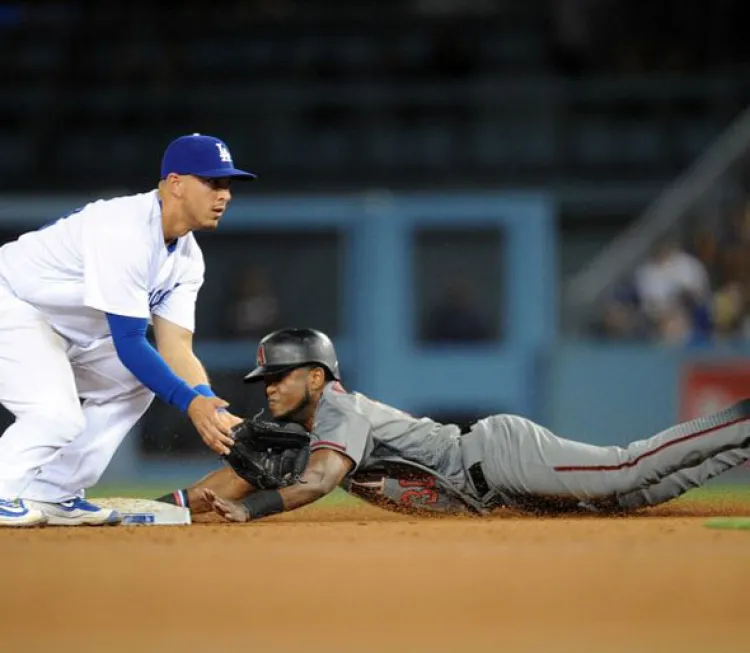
(76, 368)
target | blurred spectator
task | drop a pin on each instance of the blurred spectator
(669, 300)
(743, 326)
(622, 318)
(457, 316)
(690, 322)
(255, 309)
(729, 308)
(730, 298)
(670, 282)
(705, 246)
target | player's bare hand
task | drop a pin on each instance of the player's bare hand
(229, 510)
(211, 424)
(229, 419)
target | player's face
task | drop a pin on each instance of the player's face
(285, 392)
(205, 200)
(289, 395)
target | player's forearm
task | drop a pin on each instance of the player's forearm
(268, 502)
(142, 360)
(175, 344)
(224, 482)
(184, 363)
(325, 471)
(302, 494)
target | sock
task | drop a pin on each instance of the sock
(176, 498)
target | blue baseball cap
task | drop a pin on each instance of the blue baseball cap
(202, 156)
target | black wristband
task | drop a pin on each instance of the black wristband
(264, 503)
(176, 498)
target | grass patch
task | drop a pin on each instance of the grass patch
(733, 493)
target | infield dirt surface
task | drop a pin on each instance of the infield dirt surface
(356, 579)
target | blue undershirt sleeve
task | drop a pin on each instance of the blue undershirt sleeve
(145, 363)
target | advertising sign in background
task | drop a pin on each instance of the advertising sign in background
(708, 387)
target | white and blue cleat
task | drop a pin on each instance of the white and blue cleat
(76, 512)
(17, 513)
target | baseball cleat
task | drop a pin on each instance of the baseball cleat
(18, 514)
(76, 512)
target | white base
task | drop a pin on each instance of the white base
(146, 512)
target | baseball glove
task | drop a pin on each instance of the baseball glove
(267, 454)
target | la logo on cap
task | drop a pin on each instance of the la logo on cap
(224, 154)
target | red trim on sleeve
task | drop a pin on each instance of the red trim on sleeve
(328, 444)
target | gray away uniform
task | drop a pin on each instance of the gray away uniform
(417, 463)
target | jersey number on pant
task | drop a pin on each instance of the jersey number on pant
(421, 491)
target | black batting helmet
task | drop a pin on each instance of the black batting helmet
(286, 349)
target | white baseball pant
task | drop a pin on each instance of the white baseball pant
(73, 406)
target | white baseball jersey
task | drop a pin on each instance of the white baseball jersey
(107, 257)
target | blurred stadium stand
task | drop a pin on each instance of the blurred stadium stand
(350, 94)
(690, 247)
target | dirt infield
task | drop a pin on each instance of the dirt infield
(361, 580)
